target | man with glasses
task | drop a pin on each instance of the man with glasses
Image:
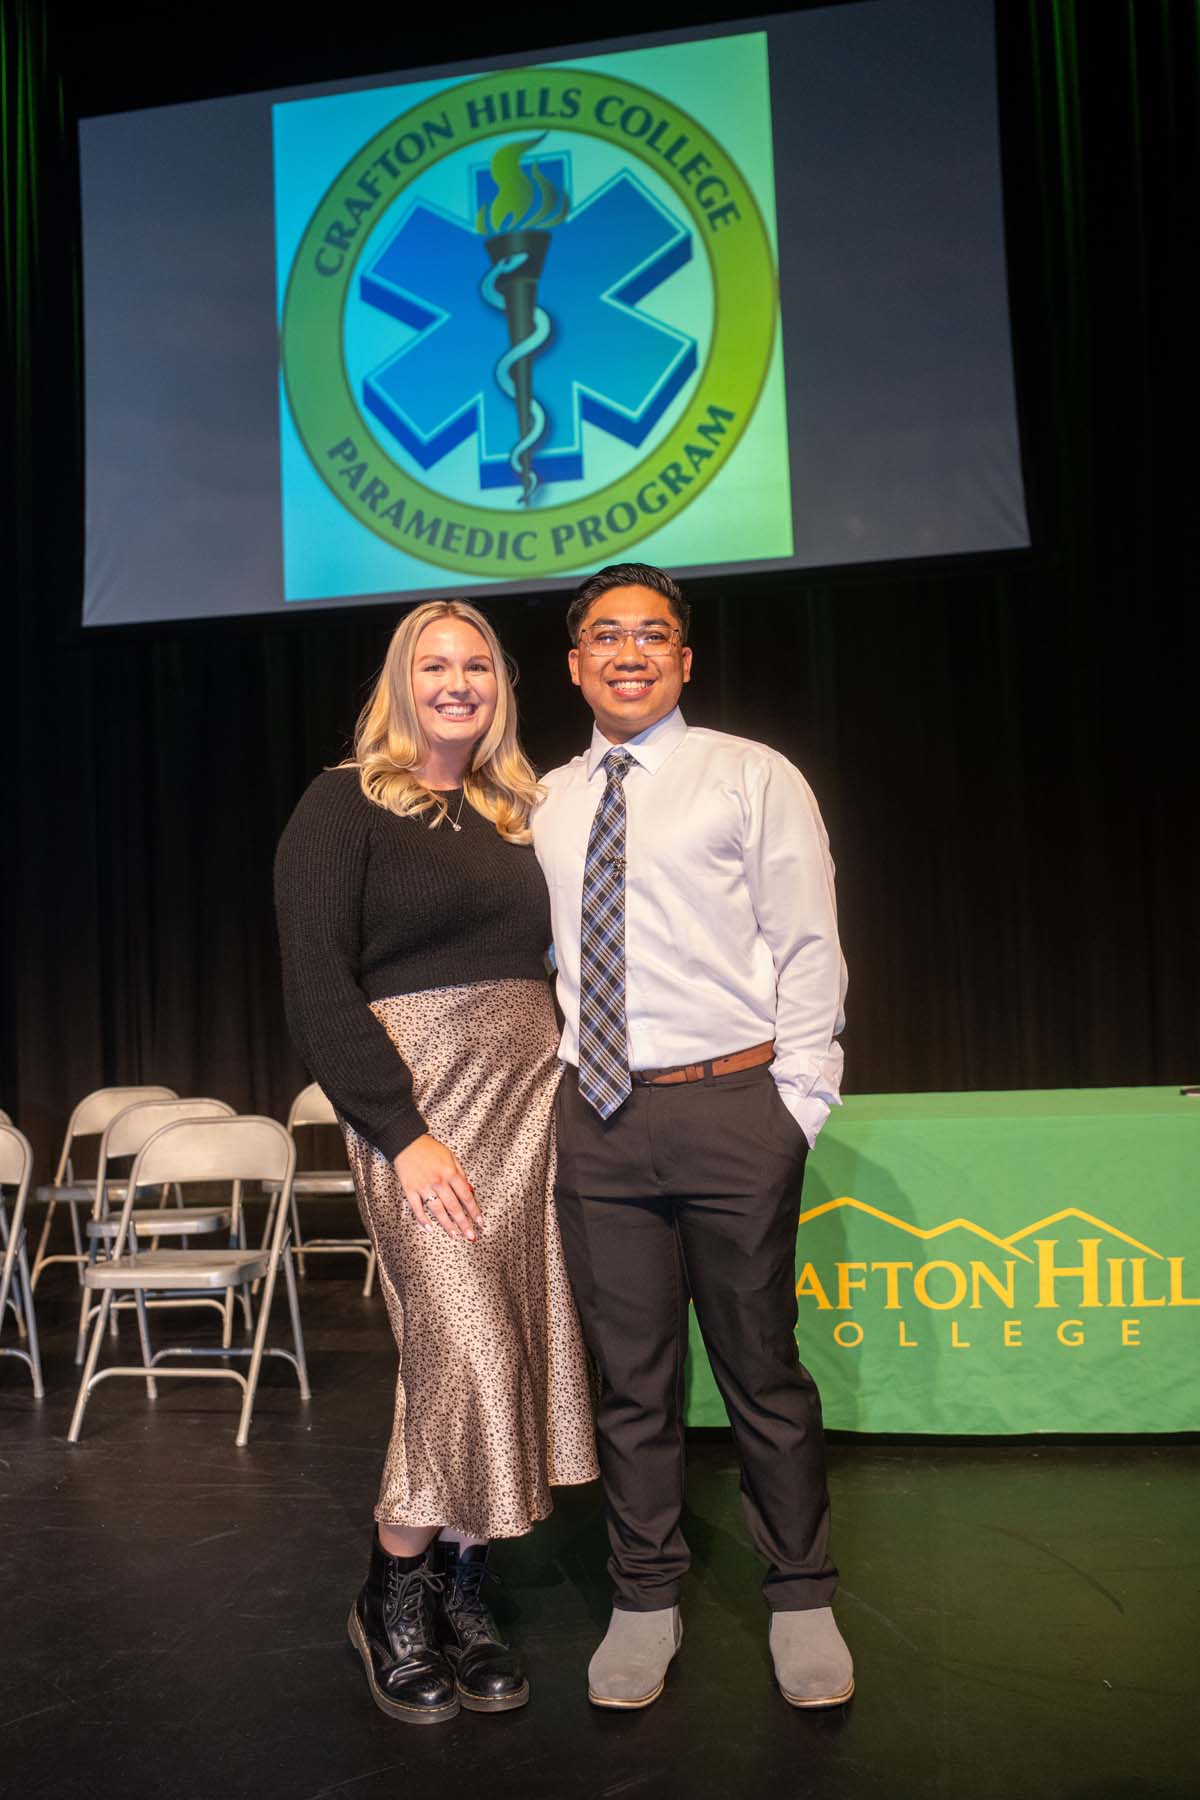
(701, 983)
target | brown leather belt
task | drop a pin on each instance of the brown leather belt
(717, 1066)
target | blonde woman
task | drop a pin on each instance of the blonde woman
(413, 920)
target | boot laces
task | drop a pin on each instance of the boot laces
(407, 1594)
(467, 1599)
(470, 1578)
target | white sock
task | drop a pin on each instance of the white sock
(463, 1539)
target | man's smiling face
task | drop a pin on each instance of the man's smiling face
(630, 685)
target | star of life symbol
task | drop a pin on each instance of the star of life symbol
(486, 358)
(528, 321)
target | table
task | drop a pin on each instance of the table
(996, 1263)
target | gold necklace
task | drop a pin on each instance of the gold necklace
(454, 824)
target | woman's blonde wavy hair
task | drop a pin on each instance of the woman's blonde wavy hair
(389, 744)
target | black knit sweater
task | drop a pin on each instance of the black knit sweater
(371, 905)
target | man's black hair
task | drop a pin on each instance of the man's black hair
(621, 575)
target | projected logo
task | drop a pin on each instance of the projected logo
(566, 284)
(529, 323)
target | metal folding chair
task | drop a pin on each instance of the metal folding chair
(16, 1171)
(94, 1113)
(123, 1138)
(313, 1107)
(15, 1299)
(237, 1150)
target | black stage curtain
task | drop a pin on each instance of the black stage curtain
(1004, 748)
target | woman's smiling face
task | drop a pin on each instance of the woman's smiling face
(454, 685)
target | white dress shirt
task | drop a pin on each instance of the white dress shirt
(730, 917)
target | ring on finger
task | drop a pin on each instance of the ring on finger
(428, 1200)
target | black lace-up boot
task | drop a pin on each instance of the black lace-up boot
(487, 1671)
(393, 1627)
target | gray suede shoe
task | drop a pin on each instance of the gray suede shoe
(812, 1663)
(630, 1666)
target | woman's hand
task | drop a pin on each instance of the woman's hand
(437, 1190)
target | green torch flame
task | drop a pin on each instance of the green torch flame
(524, 199)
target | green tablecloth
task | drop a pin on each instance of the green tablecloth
(1000, 1263)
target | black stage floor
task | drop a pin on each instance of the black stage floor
(1023, 1618)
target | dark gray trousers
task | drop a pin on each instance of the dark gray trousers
(695, 1189)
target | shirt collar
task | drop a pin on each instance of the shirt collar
(650, 749)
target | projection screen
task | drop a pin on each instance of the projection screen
(732, 298)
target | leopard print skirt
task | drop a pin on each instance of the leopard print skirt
(493, 1405)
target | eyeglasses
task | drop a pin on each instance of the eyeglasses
(608, 640)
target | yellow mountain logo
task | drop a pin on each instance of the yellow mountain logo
(929, 1232)
(1068, 1261)
(1075, 1212)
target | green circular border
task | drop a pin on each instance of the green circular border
(743, 272)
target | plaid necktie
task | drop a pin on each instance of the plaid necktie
(603, 1046)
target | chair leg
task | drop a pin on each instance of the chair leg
(7, 1265)
(247, 1303)
(35, 1355)
(144, 1335)
(260, 1337)
(11, 1294)
(89, 1367)
(268, 1230)
(15, 1290)
(369, 1283)
(39, 1255)
(227, 1320)
(72, 1208)
(93, 1255)
(289, 1276)
(81, 1334)
(297, 1241)
(17, 1302)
